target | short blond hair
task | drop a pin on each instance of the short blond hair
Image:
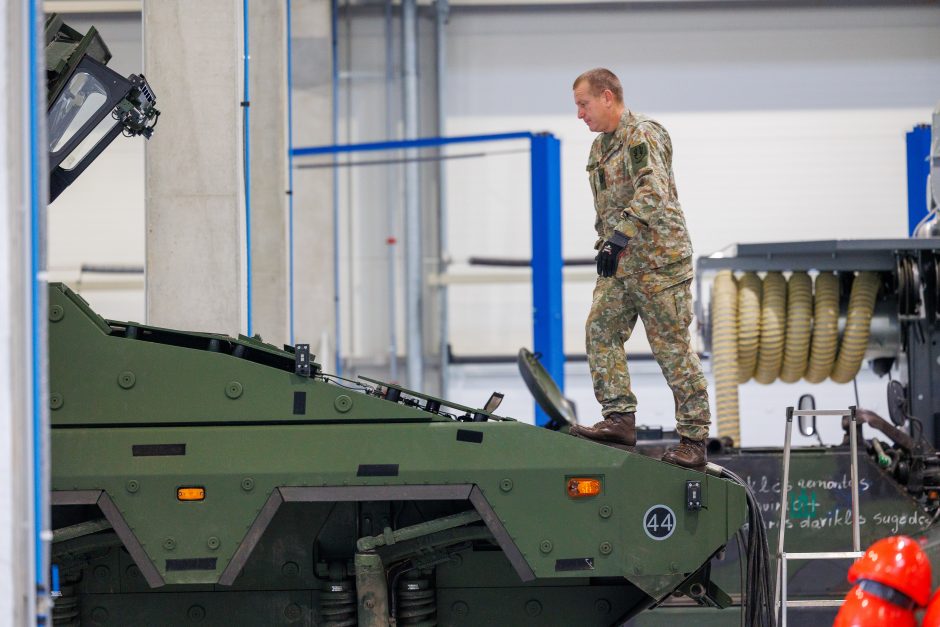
(600, 79)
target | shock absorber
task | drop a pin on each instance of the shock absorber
(417, 600)
(338, 604)
(66, 610)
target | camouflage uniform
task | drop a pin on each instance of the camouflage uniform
(635, 193)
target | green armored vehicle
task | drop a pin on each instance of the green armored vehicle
(198, 477)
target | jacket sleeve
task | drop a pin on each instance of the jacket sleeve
(648, 160)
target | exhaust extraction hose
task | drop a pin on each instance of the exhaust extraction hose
(857, 327)
(725, 298)
(799, 326)
(774, 328)
(773, 316)
(749, 287)
(825, 328)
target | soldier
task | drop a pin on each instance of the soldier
(644, 267)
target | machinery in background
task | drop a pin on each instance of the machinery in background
(89, 104)
(818, 310)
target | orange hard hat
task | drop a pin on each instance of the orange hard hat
(899, 563)
(932, 617)
(863, 609)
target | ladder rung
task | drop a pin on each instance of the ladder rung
(816, 603)
(821, 412)
(824, 555)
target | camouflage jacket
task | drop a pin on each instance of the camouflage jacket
(635, 193)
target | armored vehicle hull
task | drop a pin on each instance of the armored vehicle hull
(198, 477)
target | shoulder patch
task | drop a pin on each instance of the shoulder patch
(639, 153)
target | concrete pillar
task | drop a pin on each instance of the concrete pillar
(314, 244)
(17, 335)
(267, 23)
(195, 259)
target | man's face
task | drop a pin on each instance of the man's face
(596, 111)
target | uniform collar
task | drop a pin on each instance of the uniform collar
(610, 140)
(627, 120)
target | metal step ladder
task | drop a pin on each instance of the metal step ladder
(780, 597)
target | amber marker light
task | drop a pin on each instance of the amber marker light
(579, 487)
(191, 494)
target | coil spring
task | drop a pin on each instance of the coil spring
(909, 284)
(66, 610)
(417, 603)
(338, 604)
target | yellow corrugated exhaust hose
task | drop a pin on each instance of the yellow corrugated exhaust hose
(857, 327)
(825, 328)
(773, 314)
(749, 286)
(725, 298)
(799, 326)
(789, 329)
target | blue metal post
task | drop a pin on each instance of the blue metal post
(290, 171)
(38, 180)
(246, 132)
(918, 167)
(545, 151)
(337, 319)
(547, 327)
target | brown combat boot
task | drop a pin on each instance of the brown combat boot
(687, 453)
(616, 428)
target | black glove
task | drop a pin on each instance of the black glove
(610, 254)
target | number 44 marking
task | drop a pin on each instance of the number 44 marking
(659, 522)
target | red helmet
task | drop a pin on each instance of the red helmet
(862, 609)
(897, 562)
(932, 617)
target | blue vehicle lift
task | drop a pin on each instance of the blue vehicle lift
(547, 305)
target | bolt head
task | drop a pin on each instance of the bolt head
(233, 389)
(292, 612)
(460, 609)
(533, 608)
(196, 613)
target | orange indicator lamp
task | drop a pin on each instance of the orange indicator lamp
(191, 494)
(580, 487)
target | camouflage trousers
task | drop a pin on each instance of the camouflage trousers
(665, 306)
